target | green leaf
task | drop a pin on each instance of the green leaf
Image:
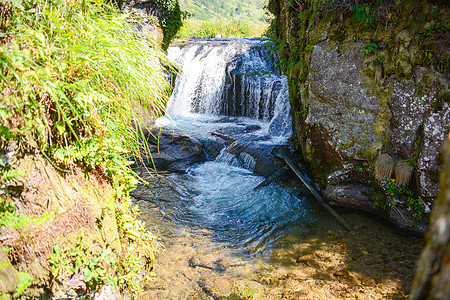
(5, 132)
(87, 275)
(25, 280)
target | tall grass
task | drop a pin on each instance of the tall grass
(76, 69)
(71, 74)
(234, 28)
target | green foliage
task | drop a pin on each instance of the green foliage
(99, 268)
(372, 48)
(71, 73)
(9, 216)
(80, 259)
(345, 146)
(227, 19)
(25, 281)
(426, 33)
(249, 11)
(234, 28)
(394, 191)
(364, 15)
(170, 19)
(428, 57)
(304, 112)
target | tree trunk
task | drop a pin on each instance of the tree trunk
(433, 268)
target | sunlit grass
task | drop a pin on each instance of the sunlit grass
(72, 74)
(213, 28)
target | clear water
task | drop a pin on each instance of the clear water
(219, 195)
(253, 221)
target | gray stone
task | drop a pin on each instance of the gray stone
(170, 151)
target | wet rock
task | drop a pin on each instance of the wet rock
(339, 103)
(252, 128)
(266, 164)
(251, 154)
(172, 151)
(216, 287)
(350, 195)
(352, 103)
(358, 196)
(243, 78)
(210, 262)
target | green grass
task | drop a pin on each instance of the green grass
(250, 10)
(71, 73)
(235, 28)
(224, 18)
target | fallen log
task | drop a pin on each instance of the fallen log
(280, 153)
(223, 136)
(272, 177)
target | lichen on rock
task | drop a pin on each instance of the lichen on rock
(365, 87)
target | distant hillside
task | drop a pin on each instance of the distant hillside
(251, 10)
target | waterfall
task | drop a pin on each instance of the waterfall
(231, 77)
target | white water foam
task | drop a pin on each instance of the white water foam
(237, 78)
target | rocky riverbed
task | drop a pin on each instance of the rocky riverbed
(326, 262)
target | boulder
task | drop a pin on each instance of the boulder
(171, 151)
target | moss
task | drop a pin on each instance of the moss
(170, 19)
(397, 34)
(339, 35)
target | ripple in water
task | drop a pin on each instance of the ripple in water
(251, 221)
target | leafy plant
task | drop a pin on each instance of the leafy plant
(25, 281)
(304, 111)
(364, 15)
(369, 48)
(345, 146)
(372, 48)
(66, 262)
(170, 18)
(441, 64)
(426, 33)
(415, 204)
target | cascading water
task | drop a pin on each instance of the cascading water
(235, 78)
(223, 238)
(234, 88)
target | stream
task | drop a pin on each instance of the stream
(226, 240)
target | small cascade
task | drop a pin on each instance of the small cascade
(231, 105)
(228, 158)
(236, 78)
(248, 161)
